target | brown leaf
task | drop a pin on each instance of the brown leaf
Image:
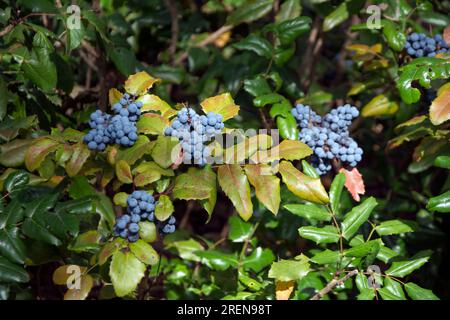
(354, 183)
(284, 289)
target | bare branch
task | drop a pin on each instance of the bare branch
(333, 283)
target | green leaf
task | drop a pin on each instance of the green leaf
(240, 230)
(12, 246)
(36, 229)
(418, 293)
(366, 294)
(309, 170)
(289, 9)
(3, 98)
(123, 172)
(440, 161)
(310, 212)
(11, 273)
(217, 260)
(391, 227)
(12, 214)
(234, 183)
(301, 185)
(132, 154)
(147, 231)
(267, 187)
(363, 250)
(151, 123)
(79, 156)
(257, 86)
(165, 151)
(120, 199)
(392, 290)
(423, 70)
(164, 208)
(283, 54)
(87, 241)
(288, 31)
(186, 249)
(126, 271)
(12, 154)
(440, 203)
(288, 270)
(250, 11)
(326, 257)
(197, 184)
(396, 39)
(39, 68)
(144, 252)
(259, 259)
(336, 17)
(257, 44)
(403, 268)
(288, 127)
(16, 180)
(327, 234)
(379, 106)
(336, 191)
(356, 217)
(75, 36)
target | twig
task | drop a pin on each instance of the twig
(209, 39)
(333, 283)
(175, 29)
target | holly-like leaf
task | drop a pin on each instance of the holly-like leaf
(139, 83)
(416, 292)
(257, 44)
(80, 153)
(289, 270)
(356, 217)
(267, 187)
(12, 154)
(287, 149)
(63, 273)
(259, 259)
(126, 271)
(222, 104)
(144, 252)
(151, 123)
(336, 17)
(354, 183)
(37, 152)
(392, 290)
(164, 208)
(391, 227)
(165, 151)
(403, 268)
(440, 203)
(85, 285)
(239, 229)
(310, 212)
(152, 102)
(251, 10)
(336, 191)
(123, 172)
(234, 183)
(423, 70)
(289, 30)
(11, 273)
(327, 234)
(379, 106)
(130, 155)
(301, 185)
(12, 246)
(114, 96)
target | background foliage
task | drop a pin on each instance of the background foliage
(272, 239)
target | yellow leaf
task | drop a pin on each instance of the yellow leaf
(267, 186)
(301, 185)
(85, 285)
(440, 108)
(151, 123)
(241, 151)
(139, 83)
(61, 274)
(284, 289)
(379, 106)
(221, 41)
(114, 96)
(152, 102)
(123, 172)
(287, 149)
(222, 104)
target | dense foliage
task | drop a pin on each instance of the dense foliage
(224, 149)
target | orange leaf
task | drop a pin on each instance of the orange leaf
(440, 108)
(354, 182)
(284, 289)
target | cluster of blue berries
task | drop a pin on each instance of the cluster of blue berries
(329, 136)
(120, 128)
(419, 45)
(194, 131)
(141, 207)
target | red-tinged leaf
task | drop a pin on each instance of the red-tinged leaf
(123, 172)
(447, 34)
(80, 153)
(354, 183)
(178, 160)
(38, 151)
(440, 108)
(86, 282)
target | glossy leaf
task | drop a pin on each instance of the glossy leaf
(391, 227)
(164, 208)
(416, 292)
(288, 270)
(222, 104)
(327, 234)
(126, 271)
(267, 187)
(357, 216)
(144, 252)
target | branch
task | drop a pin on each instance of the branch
(175, 29)
(333, 283)
(209, 39)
